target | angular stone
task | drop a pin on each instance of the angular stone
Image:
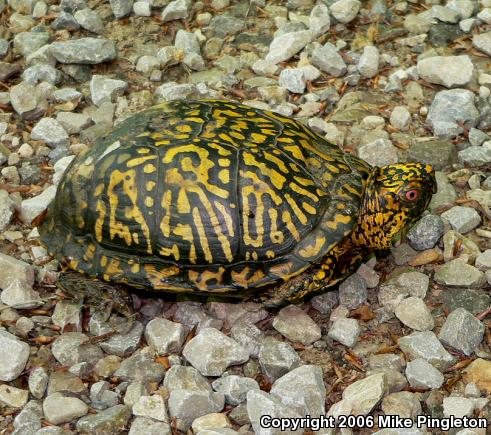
(296, 325)
(285, 46)
(13, 397)
(104, 89)
(414, 313)
(449, 71)
(327, 59)
(151, 407)
(165, 336)
(345, 10)
(140, 367)
(462, 331)
(185, 378)
(368, 65)
(211, 352)
(365, 394)
(111, 420)
(346, 331)
(176, 10)
(50, 131)
(277, 358)
(479, 372)
(13, 357)
(234, 388)
(462, 219)
(89, 51)
(426, 233)
(482, 42)
(147, 426)
(421, 374)
(457, 273)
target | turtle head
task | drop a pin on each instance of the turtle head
(395, 197)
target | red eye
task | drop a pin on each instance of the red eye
(412, 195)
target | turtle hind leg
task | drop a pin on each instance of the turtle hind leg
(98, 296)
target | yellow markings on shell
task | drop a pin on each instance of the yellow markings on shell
(167, 252)
(183, 205)
(258, 138)
(186, 233)
(149, 185)
(244, 277)
(149, 201)
(103, 261)
(112, 267)
(200, 279)
(166, 204)
(143, 150)
(224, 176)
(135, 268)
(313, 249)
(221, 150)
(340, 219)
(135, 238)
(237, 135)
(149, 168)
(270, 253)
(73, 264)
(202, 235)
(287, 220)
(239, 124)
(275, 235)
(296, 209)
(226, 217)
(162, 142)
(139, 161)
(99, 223)
(304, 192)
(228, 139)
(224, 163)
(156, 277)
(194, 119)
(308, 208)
(89, 252)
(277, 161)
(274, 176)
(83, 204)
(130, 188)
(184, 128)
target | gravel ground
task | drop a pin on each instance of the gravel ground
(407, 335)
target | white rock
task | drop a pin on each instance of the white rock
(12, 396)
(142, 9)
(485, 15)
(50, 131)
(346, 331)
(345, 10)
(287, 45)
(368, 65)
(400, 118)
(319, 20)
(458, 406)
(449, 71)
(59, 409)
(176, 10)
(13, 357)
(33, 207)
(152, 407)
(365, 394)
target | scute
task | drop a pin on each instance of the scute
(204, 196)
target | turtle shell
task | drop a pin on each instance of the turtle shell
(204, 195)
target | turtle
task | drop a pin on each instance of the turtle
(214, 197)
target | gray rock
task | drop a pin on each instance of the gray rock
(427, 346)
(386, 360)
(124, 344)
(345, 10)
(390, 295)
(416, 283)
(465, 8)
(74, 347)
(4, 47)
(6, 210)
(446, 194)
(188, 405)
(462, 219)
(302, 389)
(73, 122)
(260, 403)
(353, 291)
(462, 331)
(151, 407)
(319, 20)
(293, 79)
(414, 313)
(380, 152)
(483, 260)
(477, 137)
(296, 325)
(26, 43)
(101, 396)
(65, 21)
(474, 301)
(72, 5)
(111, 420)
(211, 352)
(42, 73)
(140, 367)
(27, 101)
(89, 51)
(176, 10)
(483, 42)
(327, 59)
(33, 207)
(426, 233)
(421, 374)
(475, 156)
(450, 107)
(13, 397)
(50, 131)
(368, 65)
(400, 118)
(187, 42)
(38, 381)
(28, 420)
(403, 404)
(457, 273)
(449, 71)
(103, 89)
(147, 64)
(234, 388)
(248, 335)
(13, 357)
(147, 426)
(458, 407)
(439, 153)
(7, 70)
(277, 358)
(89, 20)
(60, 409)
(365, 394)
(165, 336)
(346, 331)
(121, 8)
(185, 378)
(325, 302)
(285, 46)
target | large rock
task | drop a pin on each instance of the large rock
(365, 394)
(84, 51)
(60, 409)
(483, 42)
(285, 46)
(296, 325)
(211, 352)
(13, 357)
(450, 108)
(449, 71)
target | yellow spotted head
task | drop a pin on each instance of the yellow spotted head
(395, 197)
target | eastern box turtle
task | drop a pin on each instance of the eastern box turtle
(212, 197)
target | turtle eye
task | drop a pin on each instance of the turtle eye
(412, 195)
